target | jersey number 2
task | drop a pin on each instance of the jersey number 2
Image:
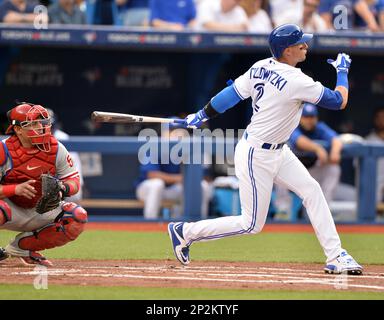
(259, 88)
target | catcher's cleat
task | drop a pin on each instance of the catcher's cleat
(36, 258)
(180, 248)
(3, 254)
(344, 263)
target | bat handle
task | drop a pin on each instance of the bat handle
(181, 121)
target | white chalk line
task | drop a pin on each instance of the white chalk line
(203, 268)
(255, 270)
(140, 269)
(297, 280)
(207, 268)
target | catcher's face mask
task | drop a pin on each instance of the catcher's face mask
(35, 122)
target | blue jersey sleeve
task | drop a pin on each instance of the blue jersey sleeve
(325, 133)
(5, 8)
(154, 10)
(191, 10)
(331, 99)
(145, 168)
(325, 6)
(225, 99)
(294, 136)
(379, 6)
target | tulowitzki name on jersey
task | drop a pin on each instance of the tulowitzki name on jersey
(268, 75)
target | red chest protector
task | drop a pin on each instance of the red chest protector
(29, 164)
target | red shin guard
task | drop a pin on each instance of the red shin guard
(56, 234)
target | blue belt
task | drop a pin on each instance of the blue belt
(275, 147)
(268, 146)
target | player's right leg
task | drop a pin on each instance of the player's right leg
(294, 176)
(254, 169)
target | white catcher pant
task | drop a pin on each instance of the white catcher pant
(257, 169)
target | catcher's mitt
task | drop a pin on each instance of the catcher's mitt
(51, 189)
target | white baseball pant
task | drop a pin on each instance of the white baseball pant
(328, 176)
(257, 169)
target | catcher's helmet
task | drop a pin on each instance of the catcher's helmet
(33, 118)
(285, 36)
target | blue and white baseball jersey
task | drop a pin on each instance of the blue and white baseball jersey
(278, 91)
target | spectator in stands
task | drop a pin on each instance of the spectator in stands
(377, 9)
(222, 16)
(162, 181)
(377, 136)
(311, 21)
(286, 11)
(259, 21)
(175, 15)
(66, 12)
(134, 13)
(326, 166)
(18, 11)
(360, 7)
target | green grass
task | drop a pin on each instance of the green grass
(55, 292)
(264, 247)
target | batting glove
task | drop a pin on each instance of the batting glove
(342, 63)
(195, 120)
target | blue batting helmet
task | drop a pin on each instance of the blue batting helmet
(285, 36)
(309, 110)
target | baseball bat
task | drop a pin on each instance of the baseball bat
(112, 117)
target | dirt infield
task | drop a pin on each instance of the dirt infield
(164, 273)
(162, 227)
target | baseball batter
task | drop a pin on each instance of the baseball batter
(278, 90)
(30, 151)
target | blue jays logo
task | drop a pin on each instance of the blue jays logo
(259, 87)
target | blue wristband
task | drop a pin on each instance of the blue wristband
(342, 79)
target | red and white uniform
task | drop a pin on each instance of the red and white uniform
(19, 164)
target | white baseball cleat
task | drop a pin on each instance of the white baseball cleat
(344, 263)
(180, 248)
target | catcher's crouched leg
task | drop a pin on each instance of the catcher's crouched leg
(5, 212)
(67, 227)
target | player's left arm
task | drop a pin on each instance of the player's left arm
(337, 99)
(67, 172)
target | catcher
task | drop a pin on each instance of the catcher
(36, 174)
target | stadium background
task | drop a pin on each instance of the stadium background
(79, 70)
(76, 70)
